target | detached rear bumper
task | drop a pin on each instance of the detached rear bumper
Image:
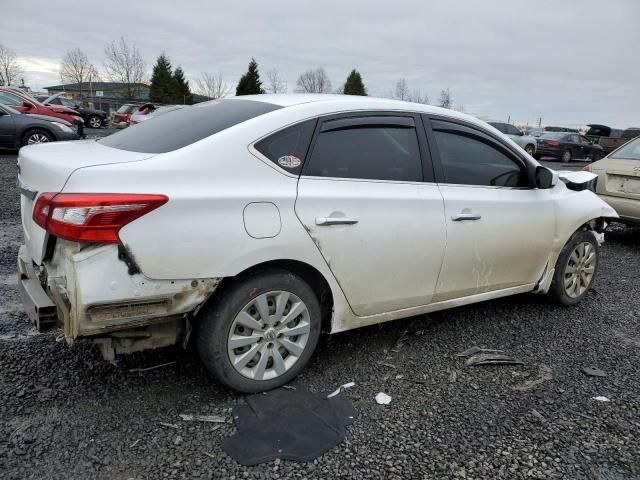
(37, 304)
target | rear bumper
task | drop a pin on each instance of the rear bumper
(39, 307)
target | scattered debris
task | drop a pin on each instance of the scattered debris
(544, 375)
(492, 359)
(474, 350)
(593, 372)
(385, 364)
(209, 455)
(177, 440)
(170, 425)
(151, 368)
(202, 418)
(399, 342)
(288, 424)
(383, 399)
(399, 377)
(453, 376)
(134, 443)
(288, 387)
(537, 414)
(600, 399)
(340, 388)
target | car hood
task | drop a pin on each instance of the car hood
(61, 109)
(48, 119)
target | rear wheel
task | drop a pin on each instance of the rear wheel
(261, 331)
(94, 121)
(575, 269)
(36, 135)
(530, 149)
(566, 156)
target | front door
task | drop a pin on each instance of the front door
(499, 231)
(7, 129)
(364, 200)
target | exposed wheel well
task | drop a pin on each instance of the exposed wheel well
(311, 275)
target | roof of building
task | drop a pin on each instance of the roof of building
(93, 85)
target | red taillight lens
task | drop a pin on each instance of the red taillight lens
(92, 217)
(553, 143)
(586, 168)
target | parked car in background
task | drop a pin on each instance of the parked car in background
(92, 117)
(619, 180)
(567, 146)
(610, 138)
(20, 101)
(122, 115)
(527, 142)
(262, 218)
(139, 117)
(18, 129)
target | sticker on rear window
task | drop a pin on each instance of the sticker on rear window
(289, 161)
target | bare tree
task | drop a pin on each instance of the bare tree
(402, 90)
(212, 85)
(314, 81)
(124, 64)
(9, 66)
(445, 99)
(76, 68)
(275, 82)
(418, 97)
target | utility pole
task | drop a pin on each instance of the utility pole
(539, 122)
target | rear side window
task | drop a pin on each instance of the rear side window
(288, 148)
(183, 127)
(468, 160)
(373, 153)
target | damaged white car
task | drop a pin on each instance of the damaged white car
(256, 222)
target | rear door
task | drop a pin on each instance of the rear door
(499, 230)
(367, 198)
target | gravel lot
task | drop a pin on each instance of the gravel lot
(65, 413)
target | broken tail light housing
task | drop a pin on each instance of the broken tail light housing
(92, 217)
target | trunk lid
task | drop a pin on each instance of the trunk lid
(618, 177)
(46, 168)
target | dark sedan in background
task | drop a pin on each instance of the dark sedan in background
(567, 146)
(18, 129)
(92, 118)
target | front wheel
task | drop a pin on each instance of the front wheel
(94, 121)
(530, 149)
(261, 331)
(575, 269)
(36, 135)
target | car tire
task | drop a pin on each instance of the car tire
(576, 269)
(537, 156)
(36, 135)
(271, 355)
(94, 121)
(566, 156)
(530, 149)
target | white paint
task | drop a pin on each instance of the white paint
(340, 388)
(262, 220)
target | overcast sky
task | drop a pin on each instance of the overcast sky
(569, 62)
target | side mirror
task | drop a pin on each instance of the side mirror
(28, 105)
(545, 177)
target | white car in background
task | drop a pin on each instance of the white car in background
(258, 221)
(526, 142)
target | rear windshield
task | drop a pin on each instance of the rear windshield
(186, 126)
(629, 151)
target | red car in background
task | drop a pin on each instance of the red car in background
(123, 114)
(24, 103)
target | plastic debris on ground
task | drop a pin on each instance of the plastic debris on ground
(492, 359)
(593, 372)
(601, 399)
(474, 350)
(202, 418)
(340, 388)
(383, 399)
(288, 424)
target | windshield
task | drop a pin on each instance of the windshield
(186, 126)
(629, 151)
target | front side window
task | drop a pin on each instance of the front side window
(288, 148)
(511, 130)
(468, 160)
(367, 152)
(67, 103)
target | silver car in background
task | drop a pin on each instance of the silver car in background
(527, 142)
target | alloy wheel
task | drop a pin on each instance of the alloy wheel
(529, 150)
(95, 122)
(37, 138)
(566, 156)
(579, 270)
(269, 335)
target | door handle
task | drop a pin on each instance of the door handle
(325, 221)
(459, 217)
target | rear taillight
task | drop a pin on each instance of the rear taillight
(553, 143)
(92, 217)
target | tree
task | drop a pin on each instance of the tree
(76, 68)
(445, 99)
(354, 84)
(418, 97)
(124, 64)
(162, 88)
(182, 92)
(9, 66)
(402, 90)
(250, 82)
(212, 86)
(276, 84)
(314, 81)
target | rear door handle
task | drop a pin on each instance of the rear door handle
(459, 217)
(326, 221)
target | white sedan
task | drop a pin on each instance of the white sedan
(255, 222)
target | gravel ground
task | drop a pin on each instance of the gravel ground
(65, 413)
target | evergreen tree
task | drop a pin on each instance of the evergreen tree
(182, 92)
(162, 88)
(354, 85)
(250, 83)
